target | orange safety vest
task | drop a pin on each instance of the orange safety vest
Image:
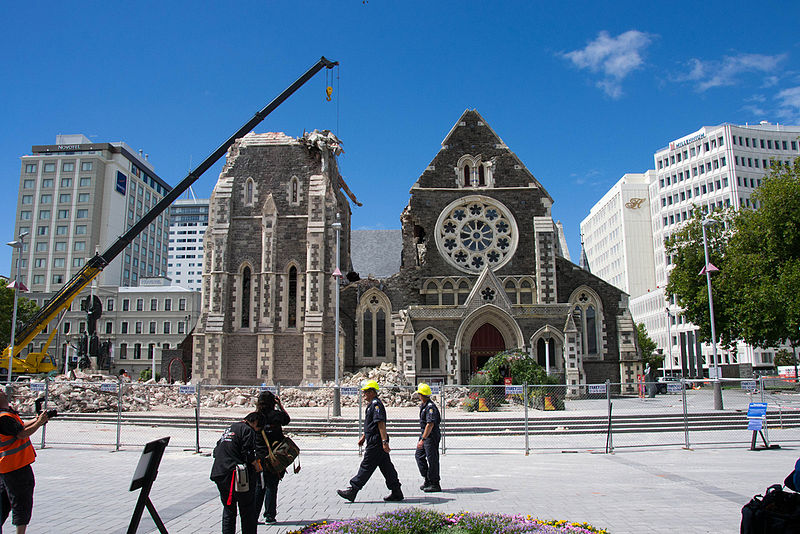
(15, 453)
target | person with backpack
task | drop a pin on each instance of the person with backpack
(275, 418)
(237, 447)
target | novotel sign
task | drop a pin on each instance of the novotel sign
(674, 145)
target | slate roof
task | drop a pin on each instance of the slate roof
(376, 252)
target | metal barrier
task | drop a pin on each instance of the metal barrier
(595, 417)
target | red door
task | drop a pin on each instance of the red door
(486, 342)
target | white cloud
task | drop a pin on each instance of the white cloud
(789, 102)
(714, 73)
(613, 57)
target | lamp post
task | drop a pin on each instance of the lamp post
(337, 274)
(17, 244)
(669, 342)
(707, 223)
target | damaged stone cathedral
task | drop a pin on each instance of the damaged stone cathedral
(482, 271)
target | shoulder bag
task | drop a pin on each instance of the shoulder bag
(282, 455)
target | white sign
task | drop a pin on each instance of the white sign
(674, 388)
(187, 390)
(109, 387)
(749, 385)
(37, 386)
(513, 390)
(596, 389)
(349, 391)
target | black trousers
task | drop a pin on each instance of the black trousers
(375, 457)
(267, 494)
(246, 503)
(428, 459)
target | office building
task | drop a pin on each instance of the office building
(75, 199)
(714, 167)
(138, 323)
(188, 220)
(617, 236)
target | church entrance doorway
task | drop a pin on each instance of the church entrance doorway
(486, 342)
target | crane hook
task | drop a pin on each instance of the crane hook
(328, 92)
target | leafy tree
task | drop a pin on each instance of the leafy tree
(763, 271)
(784, 357)
(757, 289)
(648, 348)
(26, 309)
(685, 248)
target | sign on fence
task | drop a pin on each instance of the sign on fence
(37, 386)
(349, 391)
(676, 387)
(757, 409)
(749, 385)
(513, 390)
(596, 389)
(187, 390)
(109, 387)
(756, 412)
(273, 389)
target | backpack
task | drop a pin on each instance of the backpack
(776, 512)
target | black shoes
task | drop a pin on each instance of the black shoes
(350, 493)
(269, 519)
(395, 496)
(432, 487)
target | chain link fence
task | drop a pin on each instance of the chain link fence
(596, 417)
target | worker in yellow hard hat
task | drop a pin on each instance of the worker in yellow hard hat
(427, 453)
(376, 453)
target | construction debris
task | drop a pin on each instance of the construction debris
(83, 393)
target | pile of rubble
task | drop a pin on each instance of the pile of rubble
(83, 393)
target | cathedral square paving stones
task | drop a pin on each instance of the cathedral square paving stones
(85, 489)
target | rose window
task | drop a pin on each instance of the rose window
(475, 232)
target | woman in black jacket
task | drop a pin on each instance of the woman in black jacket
(276, 417)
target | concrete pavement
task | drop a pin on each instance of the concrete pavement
(85, 489)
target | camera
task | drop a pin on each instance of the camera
(51, 413)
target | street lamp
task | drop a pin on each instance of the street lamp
(669, 342)
(707, 269)
(337, 274)
(17, 244)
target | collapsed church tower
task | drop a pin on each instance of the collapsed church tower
(268, 292)
(482, 270)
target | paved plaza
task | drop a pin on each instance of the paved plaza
(85, 489)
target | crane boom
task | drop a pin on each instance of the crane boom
(64, 297)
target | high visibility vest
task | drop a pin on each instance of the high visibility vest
(15, 453)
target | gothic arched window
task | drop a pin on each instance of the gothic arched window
(467, 173)
(374, 324)
(591, 331)
(246, 298)
(292, 315)
(430, 353)
(248, 192)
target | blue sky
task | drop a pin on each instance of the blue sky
(582, 92)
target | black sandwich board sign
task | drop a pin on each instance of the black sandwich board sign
(143, 478)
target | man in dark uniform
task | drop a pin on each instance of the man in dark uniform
(427, 453)
(238, 446)
(376, 454)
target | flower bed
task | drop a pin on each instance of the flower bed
(422, 521)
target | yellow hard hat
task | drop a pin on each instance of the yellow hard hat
(370, 385)
(424, 389)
